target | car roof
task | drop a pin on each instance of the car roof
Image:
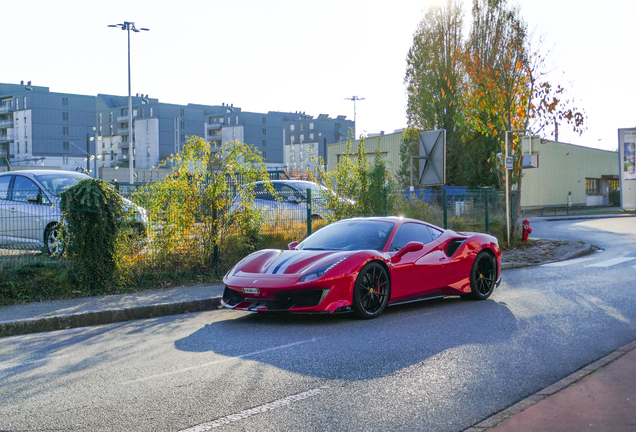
(38, 172)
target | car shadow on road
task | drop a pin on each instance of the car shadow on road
(341, 347)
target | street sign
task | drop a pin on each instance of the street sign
(509, 163)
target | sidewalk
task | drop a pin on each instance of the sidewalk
(600, 397)
(86, 311)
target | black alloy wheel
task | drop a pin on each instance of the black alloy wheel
(371, 292)
(483, 277)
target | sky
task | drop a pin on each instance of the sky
(296, 55)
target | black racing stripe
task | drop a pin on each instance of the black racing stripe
(281, 264)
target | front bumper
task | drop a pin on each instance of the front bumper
(283, 302)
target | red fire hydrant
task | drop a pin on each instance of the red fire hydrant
(526, 230)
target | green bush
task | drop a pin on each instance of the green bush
(92, 214)
(615, 198)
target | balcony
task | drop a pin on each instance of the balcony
(6, 108)
(122, 131)
(7, 138)
(6, 124)
(214, 126)
(124, 119)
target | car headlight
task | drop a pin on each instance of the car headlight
(321, 270)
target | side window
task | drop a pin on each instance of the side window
(435, 232)
(4, 187)
(262, 194)
(285, 191)
(23, 187)
(409, 232)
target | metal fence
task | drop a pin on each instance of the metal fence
(26, 223)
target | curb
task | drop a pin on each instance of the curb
(587, 249)
(526, 403)
(91, 318)
(579, 217)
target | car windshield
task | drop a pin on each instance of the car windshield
(349, 235)
(56, 183)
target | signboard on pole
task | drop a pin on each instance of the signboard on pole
(627, 167)
(433, 158)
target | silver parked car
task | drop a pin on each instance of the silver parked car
(29, 208)
(289, 201)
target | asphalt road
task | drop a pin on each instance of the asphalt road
(441, 365)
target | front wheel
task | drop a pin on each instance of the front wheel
(483, 276)
(52, 241)
(371, 292)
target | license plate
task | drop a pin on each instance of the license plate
(250, 290)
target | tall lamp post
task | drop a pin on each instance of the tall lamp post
(128, 26)
(354, 99)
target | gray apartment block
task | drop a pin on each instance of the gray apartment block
(65, 130)
(39, 127)
(306, 136)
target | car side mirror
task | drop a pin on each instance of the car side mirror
(292, 245)
(32, 198)
(292, 199)
(409, 247)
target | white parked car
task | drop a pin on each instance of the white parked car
(29, 208)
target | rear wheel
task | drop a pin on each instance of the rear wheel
(53, 245)
(371, 292)
(483, 276)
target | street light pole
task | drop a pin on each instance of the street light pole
(128, 26)
(354, 99)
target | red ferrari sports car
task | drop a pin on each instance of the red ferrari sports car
(363, 265)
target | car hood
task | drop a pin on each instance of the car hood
(285, 262)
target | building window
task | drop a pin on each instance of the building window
(592, 186)
(65, 130)
(264, 143)
(111, 130)
(110, 117)
(182, 125)
(65, 145)
(151, 112)
(311, 126)
(311, 136)
(291, 128)
(292, 138)
(65, 101)
(302, 126)
(264, 120)
(264, 131)
(264, 154)
(17, 103)
(99, 117)
(24, 99)
(614, 185)
(148, 151)
(302, 137)
(182, 112)
(65, 160)
(65, 116)
(182, 138)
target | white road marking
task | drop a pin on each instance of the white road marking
(227, 359)
(15, 365)
(612, 262)
(567, 262)
(254, 411)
